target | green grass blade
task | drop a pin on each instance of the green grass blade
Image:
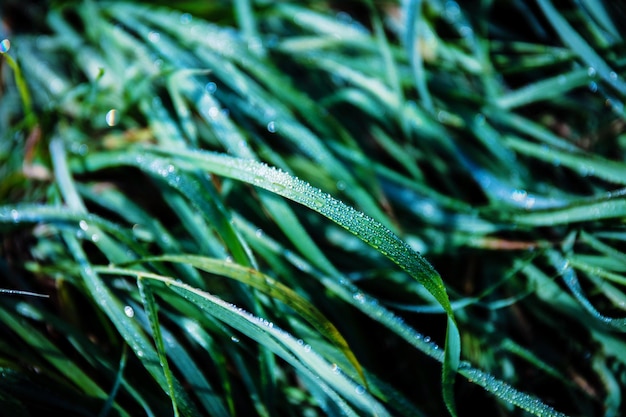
(269, 335)
(149, 303)
(274, 289)
(578, 45)
(362, 226)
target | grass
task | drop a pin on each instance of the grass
(312, 208)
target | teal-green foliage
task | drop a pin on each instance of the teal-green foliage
(312, 208)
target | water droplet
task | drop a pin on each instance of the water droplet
(335, 368)
(344, 17)
(271, 127)
(15, 215)
(111, 117)
(234, 339)
(140, 354)
(278, 187)
(95, 238)
(341, 185)
(359, 296)
(519, 195)
(613, 76)
(210, 87)
(5, 45)
(83, 225)
(427, 339)
(466, 31)
(591, 71)
(214, 112)
(593, 86)
(307, 348)
(360, 390)
(154, 37)
(300, 342)
(259, 233)
(185, 18)
(452, 10)
(128, 310)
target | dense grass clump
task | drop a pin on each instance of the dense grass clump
(312, 208)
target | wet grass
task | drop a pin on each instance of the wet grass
(312, 208)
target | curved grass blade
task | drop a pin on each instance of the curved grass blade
(53, 355)
(149, 303)
(578, 45)
(571, 280)
(274, 289)
(334, 384)
(367, 229)
(544, 90)
(584, 164)
(126, 326)
(362, 226)
(375, 310)
(609, 206)
(414, 20)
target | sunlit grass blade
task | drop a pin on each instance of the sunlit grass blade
(362, 226)
(265, 333)
(274, 289)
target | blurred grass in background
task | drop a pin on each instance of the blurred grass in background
(150, 156)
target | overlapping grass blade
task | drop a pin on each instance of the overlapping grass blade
(265, 333)
(274, 289)
(149, 303)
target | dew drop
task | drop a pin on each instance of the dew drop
(278, 187)
(128, 310)
(185, 18)
(15, 215)
(593, 86)
(140, 353)
(234, 339)
(453, 11)
(271, 127)
(259, 233)
(591, 71)
(95, 238)
(5, 45)
(344, 17)
(335, 368)
(613, 76)
(214, 112)
(341, 185)
(111, 117)
(466, 31)
(83, 225)
(360, 390)
(210, 87)
(307, 348)
(359, 296)
(154, 37)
